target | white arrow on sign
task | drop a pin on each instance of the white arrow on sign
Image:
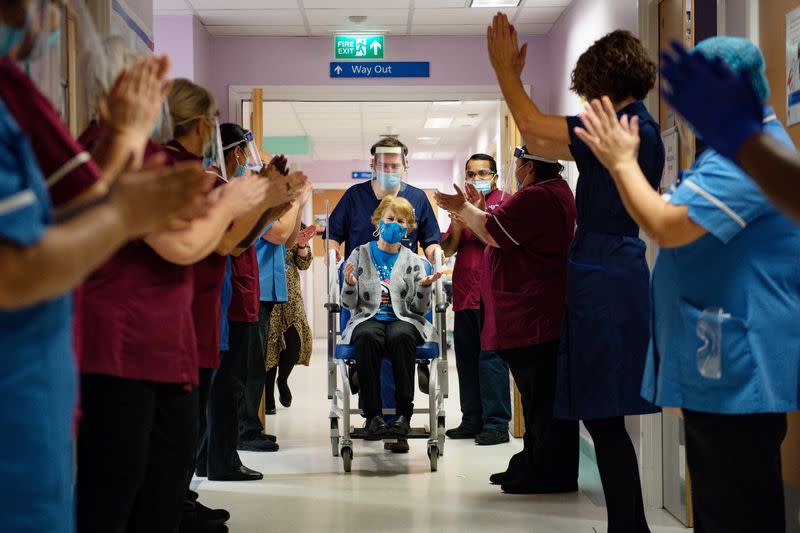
(338, 69)
(375, 47)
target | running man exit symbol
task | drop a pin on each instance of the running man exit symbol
(358, 46)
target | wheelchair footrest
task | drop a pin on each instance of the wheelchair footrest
(415, 433)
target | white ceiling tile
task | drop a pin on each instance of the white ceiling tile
(356, 4)
(168, 12)
(159, 5)
(439, 29)
(332, 17)
(243, 4)
(539, 15)
(272, 31)
(249, 17)
(533, 29)
(384, 29)
(458, 16)
(440, 3)
(326, 107)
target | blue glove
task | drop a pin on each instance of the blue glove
(722, 107)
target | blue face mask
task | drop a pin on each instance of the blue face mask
(483, 186)
(388, 180)
(12, 37)
(391, 232)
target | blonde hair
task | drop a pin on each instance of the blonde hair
(400, 206)
(188, 102)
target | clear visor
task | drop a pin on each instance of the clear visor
(213, 161)
(389, 161)
(254, 162)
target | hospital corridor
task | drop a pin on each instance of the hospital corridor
(363, 266)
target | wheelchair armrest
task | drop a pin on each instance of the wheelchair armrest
(442, 308)
(333, 307)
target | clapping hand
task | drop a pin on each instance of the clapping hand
(349, 278)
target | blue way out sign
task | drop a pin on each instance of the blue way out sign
(380, 69)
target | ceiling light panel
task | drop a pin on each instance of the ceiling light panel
(438, 123)
(450, 17)
(357, 4)
(494, 3)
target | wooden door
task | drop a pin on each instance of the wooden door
(772, 39)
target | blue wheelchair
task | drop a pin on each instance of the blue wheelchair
(341, 357)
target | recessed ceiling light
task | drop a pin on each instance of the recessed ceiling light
(429, 140)
(438, 123)
(494, 3)
(421, 155)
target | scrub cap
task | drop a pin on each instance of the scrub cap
(741, 56)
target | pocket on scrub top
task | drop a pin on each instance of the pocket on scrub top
(519, 308)
(718, 355)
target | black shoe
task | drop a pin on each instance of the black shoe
(500, 478)
(191, 523)
(376, 428)
(259, 444)
(271, 411)
(207, 514)
(490, 437)
(240, 474)
(461, 433)
(520, 487)
(401, 446)
(399, 427)
(424, 377)
(284, 394)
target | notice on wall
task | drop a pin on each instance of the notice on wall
(673, 161)
(793, 67)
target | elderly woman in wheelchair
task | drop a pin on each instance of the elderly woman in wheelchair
(388, 294)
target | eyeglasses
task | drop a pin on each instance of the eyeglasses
(483, 173)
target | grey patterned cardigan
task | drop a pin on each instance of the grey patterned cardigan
(410, 301)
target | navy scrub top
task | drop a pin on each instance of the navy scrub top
(607, 321)
(351, 220)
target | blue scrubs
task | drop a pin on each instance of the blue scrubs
(271, 269)
(37, 366)
(747, 266)
(606, 326)
(351, 220)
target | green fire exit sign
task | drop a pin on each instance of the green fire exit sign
(358, 46)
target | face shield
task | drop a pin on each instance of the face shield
(42, 51)
(389, 167)
(213, 158)
(521, 157)
(254, 161)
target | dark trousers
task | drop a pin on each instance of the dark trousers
(217, 452)
(136, 442)
(249, 423)
(398, 341)
(483, 383)
(619, 474)
(286, 361)
(550, 453)
(735, 466)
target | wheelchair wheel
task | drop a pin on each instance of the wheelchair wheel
(441, 433)
(433, 455)
(347, 458)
